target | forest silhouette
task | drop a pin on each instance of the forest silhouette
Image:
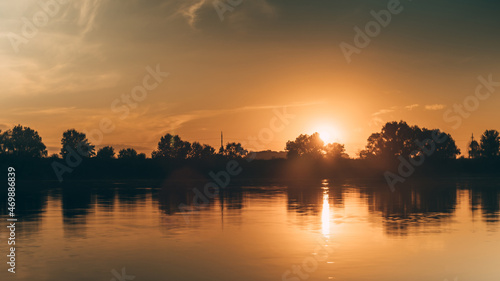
(433, 153)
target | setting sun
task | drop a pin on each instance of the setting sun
(327, 133)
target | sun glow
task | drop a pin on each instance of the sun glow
(328, 134)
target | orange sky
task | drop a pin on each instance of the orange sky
(229, 74)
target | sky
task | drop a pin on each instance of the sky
(235, 66)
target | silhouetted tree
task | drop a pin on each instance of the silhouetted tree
(335, 151)
(490, 144)
(201, 152)
(127, 153)
(73, 140)
(172, 147)
(54, 156)
(195, 152)
(207, 152)
(106, 152)
(373, 147)
(305, 145)
(3, 142)
(400, 139)
(446, 149)
(234, 151)
(23, 141)
(395, 139)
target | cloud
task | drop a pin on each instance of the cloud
(376, 121)
(434, 107)
(59, 58)
(383, 111)
(46, 111)
(237, 15)
(176, 121)
(410, 107)
(30, 76)
(376, 117)
(88, 12)
(190, 11)
(394, 108)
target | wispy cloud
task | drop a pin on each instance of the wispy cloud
(383, 111)
(45, 111)
(434, 107)
(410, 107)
(88, 12)
(176, 121)
(152, 122)
(58, 59)
(190, 11)
(377, 119)
(238, 17)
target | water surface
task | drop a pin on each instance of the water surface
(311, 230)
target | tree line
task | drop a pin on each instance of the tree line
(400, 139)
(394, 140)
(25, 142)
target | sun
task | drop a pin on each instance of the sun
(327, 133)
(325, 136)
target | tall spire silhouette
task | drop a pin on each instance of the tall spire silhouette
(221, 149)
(473, 148)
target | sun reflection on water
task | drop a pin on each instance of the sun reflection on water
(325, 213)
